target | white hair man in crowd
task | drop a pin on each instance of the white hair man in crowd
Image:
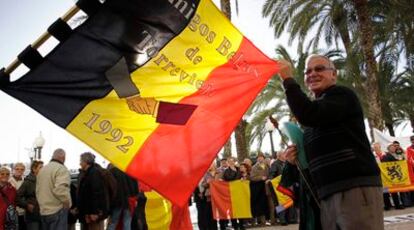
(342, 167)
(53, 192)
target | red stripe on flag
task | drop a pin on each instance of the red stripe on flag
(180, 218)
(285, 191)
(174, 158)
(221, 200)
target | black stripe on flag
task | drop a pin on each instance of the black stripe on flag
(73, 74)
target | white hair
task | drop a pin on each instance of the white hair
(312, 56)
(58, 153)
(5, 168)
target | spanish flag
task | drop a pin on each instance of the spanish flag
(230, 200)
(160, 214)
(155, 86)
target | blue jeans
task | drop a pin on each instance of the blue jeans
(116, 215)
(57, 221)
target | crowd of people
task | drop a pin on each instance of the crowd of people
(395, 152)
(50, 198)
(263, 199)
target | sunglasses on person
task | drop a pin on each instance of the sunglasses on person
(318, 69)
(5, 174)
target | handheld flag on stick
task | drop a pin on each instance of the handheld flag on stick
(154, 86)
(296, 136)
(284, 201)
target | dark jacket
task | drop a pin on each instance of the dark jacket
(230, 174)
(73, 216)
(276, 168)
(335, 142)
(388, 157)
(126, 187)
(27, 195)
(92, 197)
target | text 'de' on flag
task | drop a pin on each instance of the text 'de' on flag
(154, 86)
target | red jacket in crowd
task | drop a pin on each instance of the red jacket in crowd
(10, 192)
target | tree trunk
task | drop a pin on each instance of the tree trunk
(240, 136)
(240, 131)
(367, 43)
(343, 30)
(386, 110)
(227, 148)
(226, 8)
(412, 121)
(390, 128)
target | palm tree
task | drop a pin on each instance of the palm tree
(226, 8)
(367, 43)
(330, 19)
(404, 104)
(394, 22)
(388, 84)
(336, 21)
(239, 132)
(271, 100)
(241, 142)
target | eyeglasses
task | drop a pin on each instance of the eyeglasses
(5, 174)
(318, 69)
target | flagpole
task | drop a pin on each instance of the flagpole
(43, 38)
(276, 125)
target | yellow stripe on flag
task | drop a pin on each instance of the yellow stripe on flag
(178, 77)
(109, 127)
(282, 199)
(240, 199)
(158, 212)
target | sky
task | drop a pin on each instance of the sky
(23, 22)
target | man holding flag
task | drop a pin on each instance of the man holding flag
(342, 167)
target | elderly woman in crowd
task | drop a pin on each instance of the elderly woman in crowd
(7, 201)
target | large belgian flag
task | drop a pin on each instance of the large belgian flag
(201, 72)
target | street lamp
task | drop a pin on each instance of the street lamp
(30, 152)
(269, 128)
(38, 144)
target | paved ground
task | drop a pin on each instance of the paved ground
(393, 220)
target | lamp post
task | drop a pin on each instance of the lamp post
(269, 128)
(30, 152)
(38, 144)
